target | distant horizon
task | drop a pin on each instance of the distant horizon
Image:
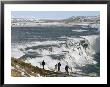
(52, 14)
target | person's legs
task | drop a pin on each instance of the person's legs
(66, 71)
(58, 68)
(43, 66)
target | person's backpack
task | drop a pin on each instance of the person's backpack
(66, 67)
(59, 64)
(43, 63)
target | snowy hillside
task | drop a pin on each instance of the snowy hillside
(75, 20)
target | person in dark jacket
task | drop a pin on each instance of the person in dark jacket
(59, 64)
(43, 63)
(66, 68)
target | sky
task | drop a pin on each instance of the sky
(52, 14)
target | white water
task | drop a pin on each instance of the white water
(73, 56)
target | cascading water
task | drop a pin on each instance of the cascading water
(77, 51)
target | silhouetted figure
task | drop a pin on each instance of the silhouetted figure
(56, 67)
(66, 68)
(59, 64)
(43, 63)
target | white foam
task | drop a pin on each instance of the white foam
(16, 53)
(79, 30)
(78, 57)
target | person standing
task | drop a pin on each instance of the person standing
(59, 64)
(43, 63)
(66, 68)
(56, 66)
